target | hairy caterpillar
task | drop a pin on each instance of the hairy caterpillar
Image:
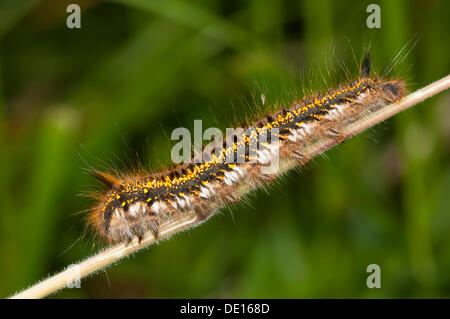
(134, 205)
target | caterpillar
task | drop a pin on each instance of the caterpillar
(131, 206)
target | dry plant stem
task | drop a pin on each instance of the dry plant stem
(111, 255)
(103, 259)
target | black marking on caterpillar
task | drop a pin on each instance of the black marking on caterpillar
(135, 205)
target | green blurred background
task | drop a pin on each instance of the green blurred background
(137, 69)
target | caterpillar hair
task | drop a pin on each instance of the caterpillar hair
(137, 204)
